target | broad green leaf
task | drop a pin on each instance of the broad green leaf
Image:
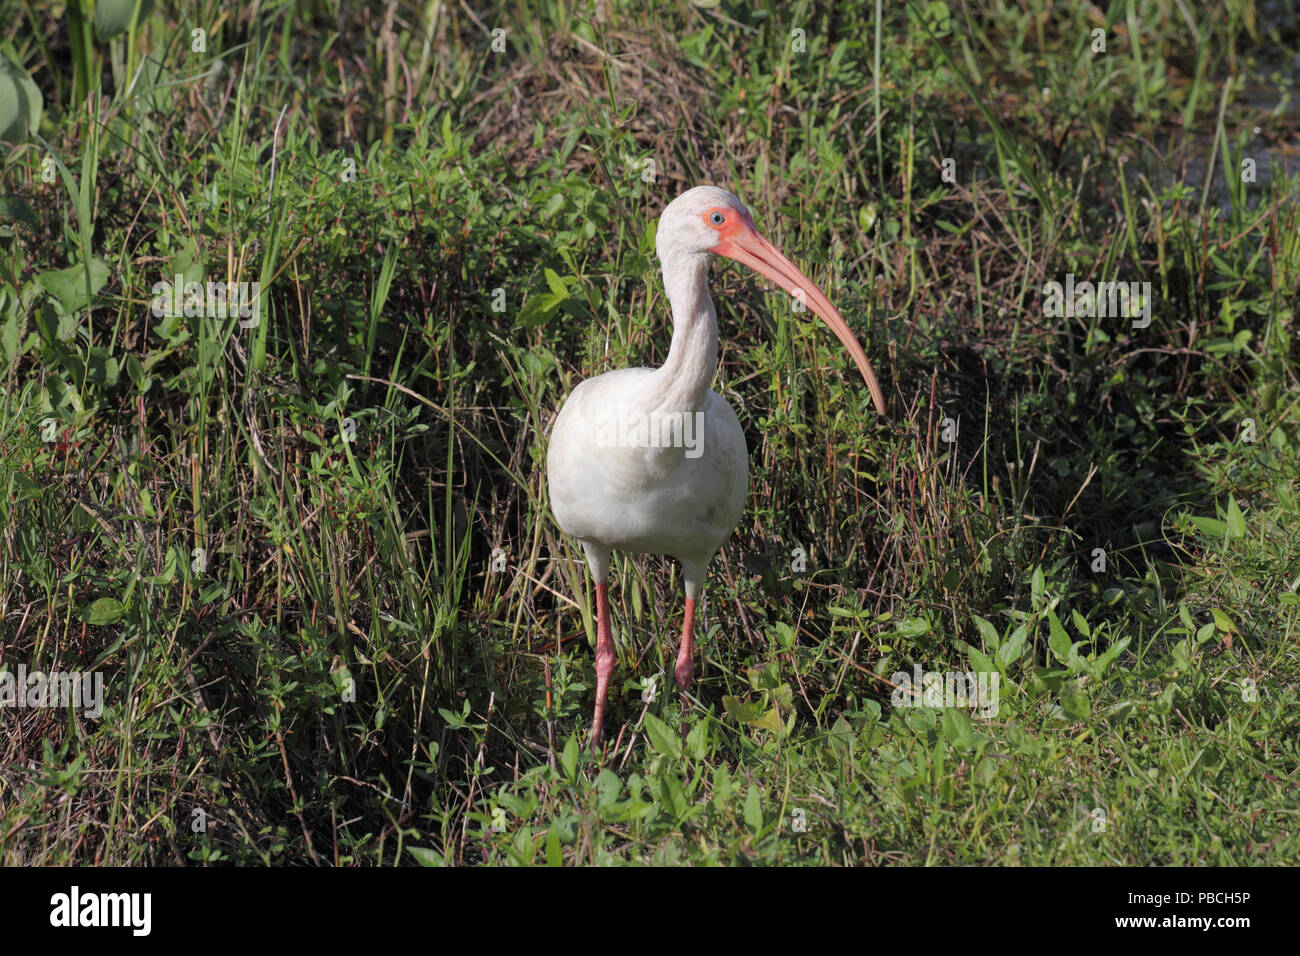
(569, 757)
(16, 209)
(1057, 639)
(20, 100)
(1236, 520)
(980, 660)
(1107, 657)
(557, 286)
(554, 857)
(739, 710)
(697, 741)
(914, 627)
(608, 787)
(104, 611)
(1080, 623)
(753, 809)
(68, 286)
(113, 17)
(722, 785)
(537, 310)
(425, 856)
(674, 798)
(956, 728)
(1074, 702)
(1212, 527)
(1014, 647)
(662, 738)
(771, 720)
(987, 631)
(13, 126)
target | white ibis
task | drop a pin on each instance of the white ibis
(650, 461)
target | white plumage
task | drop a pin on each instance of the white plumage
(650, 461)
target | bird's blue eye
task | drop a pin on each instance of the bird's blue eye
(716, 218)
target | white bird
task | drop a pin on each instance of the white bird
(650, 461)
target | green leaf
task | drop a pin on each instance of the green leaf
(1107, 657)
(16, 209)
(102, 367)
(608, 787)
(697, 741)
(20, 100)
(557, 286)
(569, 758)
(113, 17)
(914, 627)
(454, 721)
(662, 737)
(13, 109)
(753, 809)
(1222, 621)
(104, 611)
(987, 631)
(1014, 647)
(553, 205)
(1080, 623)
(136, 372)
(1057, 639)
(68, 286)
(956, 728)
(1236, 520)
(1212, 527)
(674, 798)
(537, 310)
(979, 660)
(1074, 702)
(739, 710)
(425, 856)
(771, 720)
(554, 857)
(26, 489)
(721, 786)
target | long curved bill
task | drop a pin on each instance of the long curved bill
(746, 246)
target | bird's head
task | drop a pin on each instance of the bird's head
(698, 220)
(708, 221)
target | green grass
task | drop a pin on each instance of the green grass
(313, 558)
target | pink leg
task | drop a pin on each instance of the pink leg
(605, 658)
(685, 668)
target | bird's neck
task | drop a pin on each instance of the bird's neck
(682, 382)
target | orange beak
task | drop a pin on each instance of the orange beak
(743, 243)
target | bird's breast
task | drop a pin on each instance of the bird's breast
(636, 476)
